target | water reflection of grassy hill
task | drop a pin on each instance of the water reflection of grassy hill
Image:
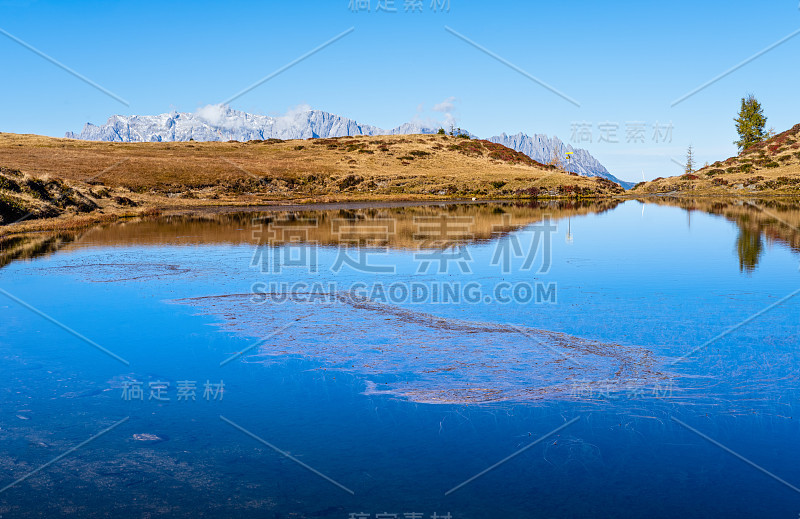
(759, 221)
(332, 226)
(399, 227)
(29, 246)
(770, 219)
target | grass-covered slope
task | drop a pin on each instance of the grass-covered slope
(771, 167)
(24, 197)
(90, 177)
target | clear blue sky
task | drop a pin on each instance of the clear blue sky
(622, 61)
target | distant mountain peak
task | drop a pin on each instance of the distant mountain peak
(223, 123)
(542, 148)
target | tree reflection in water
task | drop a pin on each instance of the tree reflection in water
(750, 247)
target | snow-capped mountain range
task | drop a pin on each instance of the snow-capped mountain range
(222, 123)
(542, 148)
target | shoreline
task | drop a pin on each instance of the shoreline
(51, 184)
(69, 222)
(77, 221)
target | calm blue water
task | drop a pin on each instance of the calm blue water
(391, 404)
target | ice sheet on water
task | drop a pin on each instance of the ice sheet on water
(425, 358)
(116, 272)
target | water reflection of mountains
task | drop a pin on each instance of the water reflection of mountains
(759, 221)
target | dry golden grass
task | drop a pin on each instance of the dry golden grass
(125, 179)
(307, 166)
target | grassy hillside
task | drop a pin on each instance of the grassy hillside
(69, 178)
(771, 167)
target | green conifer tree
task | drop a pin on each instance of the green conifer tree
(750, 123)
(689, 167)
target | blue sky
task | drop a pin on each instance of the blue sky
(624, 62)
